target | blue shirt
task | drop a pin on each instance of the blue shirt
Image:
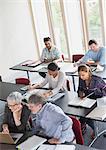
(97, 56)
(52, 54)
(96, 85)
(52, 122)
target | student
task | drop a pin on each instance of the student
(55, 78)
(16, 114)
(89, 84)
(95, 55)
(50, 121)
(50, 52)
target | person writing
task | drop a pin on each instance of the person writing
(50, 121)
(90, 86)
(55, 78)
(96, 54)
(16, 114)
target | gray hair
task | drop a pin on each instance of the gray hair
(36, 99)
(15, 96)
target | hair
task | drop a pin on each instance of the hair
(36, 99)
(84, 68)
(92, 42)
(15, 96)
(46, 39)
(53, 67)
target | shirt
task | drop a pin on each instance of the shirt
(57, 83)
(96, 85)
(53, 123)
(97, 56)
(52, 54)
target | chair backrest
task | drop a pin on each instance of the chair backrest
(24, 81)
(77, 130)
(62, 57)
(76, 57)
(68, 85)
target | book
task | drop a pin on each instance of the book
(98, 113)
(56, 147)
(32, 143)
(85, 102)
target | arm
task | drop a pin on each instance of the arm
(103, 57)
(60, 83)
(43, 55)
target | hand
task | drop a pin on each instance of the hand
(47, 94)
(90, 62)
(5, 129)
(32, 87)
(81, 94)
(54, 141)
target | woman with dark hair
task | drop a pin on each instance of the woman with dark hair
(55, 78)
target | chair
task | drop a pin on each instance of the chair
(77, 130)
(24, 81)
(68, 85)
(76, 57)
(0, 79)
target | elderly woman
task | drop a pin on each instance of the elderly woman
(16, 114)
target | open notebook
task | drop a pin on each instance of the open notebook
(98, 113)
(56, 147)
(31, 143)
(85, 102)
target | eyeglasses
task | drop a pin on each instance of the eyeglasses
(12, 105)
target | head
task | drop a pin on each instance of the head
(35, 103)
(84, 72)
(93, 45)
(48, 43)
(14, 101)
(53, 69)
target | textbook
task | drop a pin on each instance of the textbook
(85, 102)
(98, 113)
(56, 147)
(32, 143)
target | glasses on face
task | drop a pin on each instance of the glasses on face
(11, 106)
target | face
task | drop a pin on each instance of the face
(93, 47)
(48, 44)
(53, 73)
(84, 75)
(34, 107)
(13, 106)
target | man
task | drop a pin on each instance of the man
(96, 55)
(50, 121)
(50, 53)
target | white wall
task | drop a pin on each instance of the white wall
(17, 41)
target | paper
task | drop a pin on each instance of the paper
(85, 102)
(31, 143)
(98, 113)
(56, 147)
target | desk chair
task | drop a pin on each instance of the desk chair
(76, 57)
(100, 141)
(24, 81)
(68, 85)
(77, 130)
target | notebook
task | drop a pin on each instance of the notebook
(85, 102)
(32, 143)
(56, 147)
(98, 113)
(55, 97)
(11, 138)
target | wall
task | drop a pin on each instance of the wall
(17, 42)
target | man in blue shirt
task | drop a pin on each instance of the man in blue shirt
(50, 53)
(95, 55)
(50, 121)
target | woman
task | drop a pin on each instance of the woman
(16, 114)
(91, 86)
(55, 78)
(50, 121)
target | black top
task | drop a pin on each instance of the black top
(8, 119)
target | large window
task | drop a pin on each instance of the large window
(58, 27)
(94, 20)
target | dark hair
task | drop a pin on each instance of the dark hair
(84, 68)
(36, 99)
(92, 42)
(53, 67)
(47, 39)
